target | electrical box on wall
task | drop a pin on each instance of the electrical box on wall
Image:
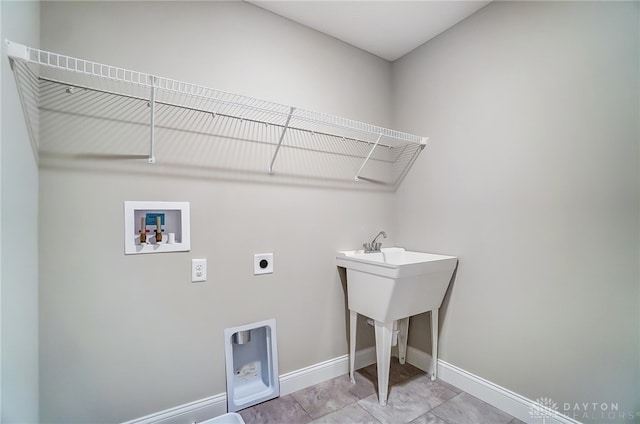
(156, 227)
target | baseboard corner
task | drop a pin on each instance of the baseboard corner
(487, 391)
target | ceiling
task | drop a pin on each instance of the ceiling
(388, 29)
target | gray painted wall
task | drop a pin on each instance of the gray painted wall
(531, 178)
(122, 337)
(19, 242)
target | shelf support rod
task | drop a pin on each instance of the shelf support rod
(357, 177)
(284, 130)
(152, 106)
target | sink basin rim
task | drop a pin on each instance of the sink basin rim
(369, 258)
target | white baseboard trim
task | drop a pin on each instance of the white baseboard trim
(192, 412)
(323, 371)
(504, 399)
(290, 382)
(493, 394)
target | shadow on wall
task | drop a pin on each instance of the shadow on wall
(85, 141)
(420, 325)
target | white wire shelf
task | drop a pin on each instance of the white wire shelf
(53, 83)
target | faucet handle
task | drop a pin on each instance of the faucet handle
(371, 247)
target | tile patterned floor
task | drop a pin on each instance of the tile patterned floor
(413, 399)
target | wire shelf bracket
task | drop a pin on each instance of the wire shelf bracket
(357, 177)
(340, 145)
(284, 131)
(152, 120)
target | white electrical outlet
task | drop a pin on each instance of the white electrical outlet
(198, 270)
(263, 263)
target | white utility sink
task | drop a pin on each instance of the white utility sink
(390, 286)
(394, 262)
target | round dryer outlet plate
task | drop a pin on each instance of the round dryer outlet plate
(263, 263)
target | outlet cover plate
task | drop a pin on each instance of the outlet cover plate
(263, 263)
(198, 270)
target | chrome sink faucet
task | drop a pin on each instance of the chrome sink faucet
(374, 246)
